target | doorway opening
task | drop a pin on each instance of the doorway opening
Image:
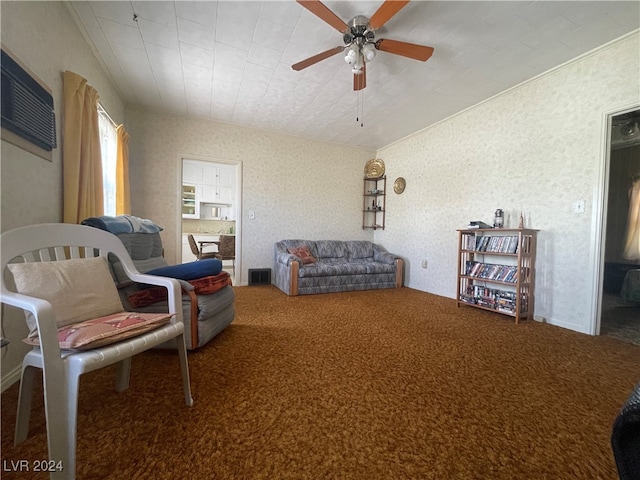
(620, 284)
(210, 207)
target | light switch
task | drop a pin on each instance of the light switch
(579, 206)
(252, 215)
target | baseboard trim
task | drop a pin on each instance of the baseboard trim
(10, 378)
(568, 325)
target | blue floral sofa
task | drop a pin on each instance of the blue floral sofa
(305, 267)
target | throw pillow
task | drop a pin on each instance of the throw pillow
(304, 254)
(78, 289)
(191, 270)
(106, 330)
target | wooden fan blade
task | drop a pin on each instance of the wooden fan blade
(320, 10)
(410, 50)
(316, 58)
(360, 79)
(384, 13)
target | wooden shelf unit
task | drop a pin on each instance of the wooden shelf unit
(374, 203)
(496, 270)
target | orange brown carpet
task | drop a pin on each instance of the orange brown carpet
(387, 384)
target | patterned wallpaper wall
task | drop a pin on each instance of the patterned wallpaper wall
(43, 37)
(537, 149)
(296, 187)
(31, 186)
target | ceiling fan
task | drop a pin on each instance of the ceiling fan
(360, 44)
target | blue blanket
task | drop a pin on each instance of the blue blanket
(122, 224)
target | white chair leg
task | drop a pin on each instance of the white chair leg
(184, 367)
(25, 397)
(61, 412)
(123, 373)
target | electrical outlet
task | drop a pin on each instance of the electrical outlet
(424, 264)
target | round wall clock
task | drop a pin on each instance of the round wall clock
(399, 184)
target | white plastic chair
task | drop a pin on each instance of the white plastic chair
(61, 369)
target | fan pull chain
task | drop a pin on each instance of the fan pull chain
(360, 108)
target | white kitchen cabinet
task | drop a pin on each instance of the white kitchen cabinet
(227, 176)
(191, 172)
(225, 194)
(216, 194)
(209, 174)
(220, 175)
(208, 193)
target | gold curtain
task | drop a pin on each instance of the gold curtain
(632, 244)
(123, 200)
(81, 155)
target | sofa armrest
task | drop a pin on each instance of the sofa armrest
(293, 285)
(399, 272)
(287, 258)
(383, 256)
(286, 270)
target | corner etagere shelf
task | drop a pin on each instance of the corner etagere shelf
(374, 203)
(496, 270)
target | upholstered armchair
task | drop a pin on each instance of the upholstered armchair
(208, 299)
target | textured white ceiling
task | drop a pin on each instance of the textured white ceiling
(230, 61)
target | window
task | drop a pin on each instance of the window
(632, 242)
(108, 147)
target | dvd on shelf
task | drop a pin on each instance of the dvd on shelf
(489, 271)
(495, 299)
(492, 244)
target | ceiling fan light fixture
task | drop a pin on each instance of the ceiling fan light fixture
(369, 51)
(357, 66)
(352, 55)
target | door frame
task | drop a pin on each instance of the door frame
(600, 204)
(238, 202)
